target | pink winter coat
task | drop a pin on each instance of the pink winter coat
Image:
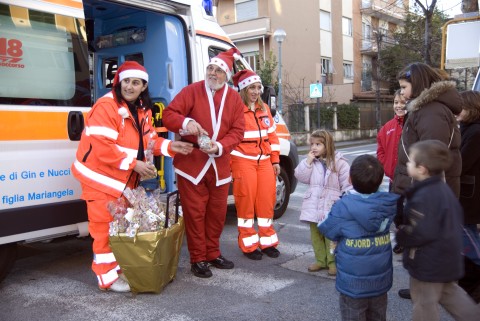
(325, 187)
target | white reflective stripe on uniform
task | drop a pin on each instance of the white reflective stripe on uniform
(264, 222)
(254, 134)
(104, 258)
(269, 240)
(249, 241)
(164, 148)
(245, 222)
(238, 154)
(275, 147)
(102, 179)
(272, 129)
(131, 155)
(108, 277)
(101, 131)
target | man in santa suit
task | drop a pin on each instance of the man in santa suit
(209, 114)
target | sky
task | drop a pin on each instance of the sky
(451, 7)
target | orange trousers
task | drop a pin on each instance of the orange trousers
(104, 264)
(254, 189)
(204, 210)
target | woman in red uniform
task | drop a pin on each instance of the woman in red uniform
(255, 165)
(110, 157)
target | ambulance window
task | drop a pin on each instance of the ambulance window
(109, 69)
(43, 59)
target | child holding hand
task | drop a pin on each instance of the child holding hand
(326, 172)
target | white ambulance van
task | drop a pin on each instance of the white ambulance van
(56, 58)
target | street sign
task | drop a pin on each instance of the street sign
(316, 90)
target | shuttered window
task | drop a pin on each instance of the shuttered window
(246, 9)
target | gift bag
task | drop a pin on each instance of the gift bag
(149, 260)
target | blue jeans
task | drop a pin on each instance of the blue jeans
(364, 309)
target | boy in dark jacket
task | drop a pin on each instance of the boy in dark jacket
(360, 223)
(431, 234)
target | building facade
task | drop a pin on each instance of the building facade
(333, 42)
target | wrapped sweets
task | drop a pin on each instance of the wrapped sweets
(140, 211)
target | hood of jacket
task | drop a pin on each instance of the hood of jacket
(444, 92)
(380, 207)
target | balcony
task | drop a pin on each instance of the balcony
(249, 29)
(369, 47)
(386, 10)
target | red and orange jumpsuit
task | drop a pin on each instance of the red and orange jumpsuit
(104, 164)
(254, 181)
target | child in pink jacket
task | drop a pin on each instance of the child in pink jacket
(327, 174)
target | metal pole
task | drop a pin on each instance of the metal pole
(280, 77)
(318, 111)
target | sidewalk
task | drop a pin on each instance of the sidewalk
(302, 150)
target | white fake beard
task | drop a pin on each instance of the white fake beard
(214, 85)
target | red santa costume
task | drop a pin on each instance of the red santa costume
(106, 157)
(203, 179)
(254, 181)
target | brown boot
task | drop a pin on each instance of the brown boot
(315, 267)
(332, 271)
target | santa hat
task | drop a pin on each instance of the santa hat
(245, 78)
(225, 60)
(130, 69)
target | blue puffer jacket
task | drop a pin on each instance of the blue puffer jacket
(360, 224)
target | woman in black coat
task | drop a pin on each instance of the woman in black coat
(469, 120)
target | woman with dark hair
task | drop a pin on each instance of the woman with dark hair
(111, 157)
(432, 103)
(469, 120)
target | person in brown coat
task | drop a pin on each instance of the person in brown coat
(432, 103)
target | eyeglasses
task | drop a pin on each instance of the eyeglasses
(217, 71)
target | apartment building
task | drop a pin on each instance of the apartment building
(334, 42)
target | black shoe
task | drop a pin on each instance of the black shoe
(404, 294)
(201, 269)
(397, 249)
(271, 252)
(221, 263)
(255, 255)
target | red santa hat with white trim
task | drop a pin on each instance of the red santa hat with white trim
(245, 78)
(225, 60)
(130, 69)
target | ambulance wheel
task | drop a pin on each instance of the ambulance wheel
(8, 254)
(283, 194)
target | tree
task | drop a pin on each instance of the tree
(408, 43)
(428, 14)
(267, 67)
(469, 6)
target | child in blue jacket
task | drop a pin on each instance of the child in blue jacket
(359, 222)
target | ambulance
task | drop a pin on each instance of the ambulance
(56, 58)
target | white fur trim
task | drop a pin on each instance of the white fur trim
(133, 73)
(248, 81)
